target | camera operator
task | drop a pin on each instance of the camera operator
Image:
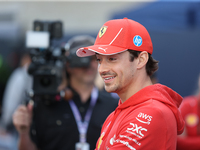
(67, 124)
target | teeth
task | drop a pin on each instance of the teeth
(109, 78)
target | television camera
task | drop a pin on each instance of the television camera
(48, 61)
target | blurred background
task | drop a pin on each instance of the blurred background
(174, 27)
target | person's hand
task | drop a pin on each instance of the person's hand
(22, 118)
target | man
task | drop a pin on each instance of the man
(190, 110)
(147, 116)
(71, 124)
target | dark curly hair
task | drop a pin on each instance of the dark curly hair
(152, 64)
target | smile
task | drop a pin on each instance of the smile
(109, 78)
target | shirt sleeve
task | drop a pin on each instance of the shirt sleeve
(146, 128)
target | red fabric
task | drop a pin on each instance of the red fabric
(150, 119)
(188, 143)
(190, 112)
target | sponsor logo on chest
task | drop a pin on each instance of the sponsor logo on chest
(144, 118)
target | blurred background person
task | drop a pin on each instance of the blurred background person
(15, 92)
(73, 122)
(4, 74)
(190, 110)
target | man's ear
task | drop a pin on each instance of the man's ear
(142, 59)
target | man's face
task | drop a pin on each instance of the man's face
(117, 71)
(85, 75)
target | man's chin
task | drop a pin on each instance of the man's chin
(110, 89)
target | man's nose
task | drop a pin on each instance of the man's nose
(103, 67)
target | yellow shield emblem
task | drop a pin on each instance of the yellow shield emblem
(102, 31)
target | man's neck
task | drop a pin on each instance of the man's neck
(84, 90)
(134, 88)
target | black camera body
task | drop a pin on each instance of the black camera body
(48, 61)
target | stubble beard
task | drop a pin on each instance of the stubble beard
(111, 88)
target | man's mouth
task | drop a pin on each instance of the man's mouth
(108, 79)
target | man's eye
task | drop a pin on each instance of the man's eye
(112, 58)
(98, 60)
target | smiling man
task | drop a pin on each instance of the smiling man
(147, 116)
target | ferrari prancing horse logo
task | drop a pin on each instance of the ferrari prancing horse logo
(102, 31)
